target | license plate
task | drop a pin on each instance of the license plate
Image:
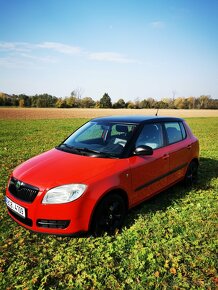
(15, 207)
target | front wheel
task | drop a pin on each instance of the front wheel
(191, 174)
(109, 215)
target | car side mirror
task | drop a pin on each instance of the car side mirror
(143, 150)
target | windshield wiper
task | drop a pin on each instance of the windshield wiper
(109, 155)
(78, 149)
(68, 147)
(100, 153)
(86, 150)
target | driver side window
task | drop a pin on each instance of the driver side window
(151, 135)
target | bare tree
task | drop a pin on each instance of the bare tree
(77, 93)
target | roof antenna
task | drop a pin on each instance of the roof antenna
(157, 112)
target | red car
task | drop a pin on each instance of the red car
(93, 177)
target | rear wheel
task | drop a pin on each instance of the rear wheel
(191, 174)
(109, 215)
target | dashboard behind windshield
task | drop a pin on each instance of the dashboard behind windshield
(101, 138)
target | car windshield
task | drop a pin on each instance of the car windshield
(99, 139)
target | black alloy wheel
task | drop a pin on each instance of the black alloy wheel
(109, 215)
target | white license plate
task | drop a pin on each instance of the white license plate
(15, 207)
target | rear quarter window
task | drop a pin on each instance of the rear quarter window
(175, 132)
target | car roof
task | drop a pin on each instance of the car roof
(137, 119)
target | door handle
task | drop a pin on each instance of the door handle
(165, 156)
(189, 146)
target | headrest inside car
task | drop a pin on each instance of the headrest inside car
(122, 128)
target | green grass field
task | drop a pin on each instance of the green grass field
(169, 242)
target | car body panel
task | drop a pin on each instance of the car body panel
(55, 167)
(148, 174)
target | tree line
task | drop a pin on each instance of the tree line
(76, 101)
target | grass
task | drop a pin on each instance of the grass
(169, 242)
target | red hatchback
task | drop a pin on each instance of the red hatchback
(107, 166)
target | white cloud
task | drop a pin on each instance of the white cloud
(46, 59)
(16, 57)
(41, 52)
(22, 54)
(111, 57)
(12, 62)
(158, 24)
(25, 61)
(60, 47)
(24, 47)
(15, 46)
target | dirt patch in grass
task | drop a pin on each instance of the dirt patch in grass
(54, 113)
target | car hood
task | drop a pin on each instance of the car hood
(55, 167)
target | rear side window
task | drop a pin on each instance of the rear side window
(175, 132)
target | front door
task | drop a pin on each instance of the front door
(149, 173)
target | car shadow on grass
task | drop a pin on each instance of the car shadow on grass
(207, 170)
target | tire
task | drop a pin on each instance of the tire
(109, 215)
(191, 175)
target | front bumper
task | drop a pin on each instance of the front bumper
(61, 219)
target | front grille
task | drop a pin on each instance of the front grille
(53, 224)
(25, 221)
(22, 191)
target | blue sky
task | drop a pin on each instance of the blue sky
(129, 49)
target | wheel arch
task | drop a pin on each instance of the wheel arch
(196, 160)
(118, 191)
(190, 175)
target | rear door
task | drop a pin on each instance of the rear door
(178, 149)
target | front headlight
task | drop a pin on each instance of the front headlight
(64, 193)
